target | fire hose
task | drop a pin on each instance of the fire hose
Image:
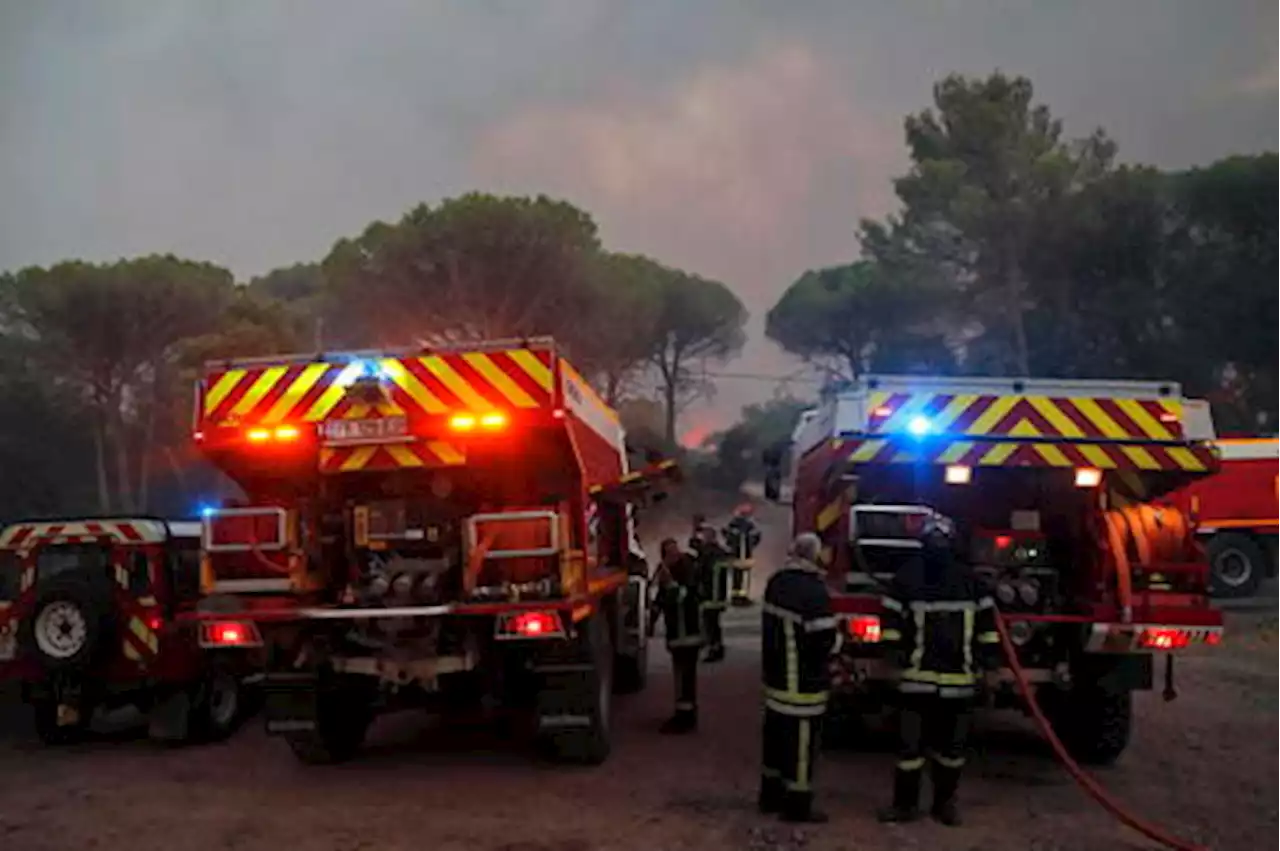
(1082, 778)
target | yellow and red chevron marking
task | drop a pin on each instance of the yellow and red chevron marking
(390, 456)
(1074, 418)
(83, 531)
(1195, 458)
(141, 644)
(433, 384)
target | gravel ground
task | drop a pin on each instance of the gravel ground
(1204, 766)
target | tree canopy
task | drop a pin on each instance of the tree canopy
(1016, 250)
(118, 345)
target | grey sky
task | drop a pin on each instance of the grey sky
(741, 139)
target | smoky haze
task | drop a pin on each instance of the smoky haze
(741, 140)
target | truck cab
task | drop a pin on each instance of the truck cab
(89, 612)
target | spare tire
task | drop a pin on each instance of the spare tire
(71, 626)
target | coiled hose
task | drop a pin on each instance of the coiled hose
(1087, 783)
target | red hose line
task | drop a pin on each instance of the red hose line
(1087, 783)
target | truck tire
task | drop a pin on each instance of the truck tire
(1093, 723)
(72, 626)
(1237, 565)
(217, 705)
(342, 719)
(631, 669)
(574, 708)
(631, 673)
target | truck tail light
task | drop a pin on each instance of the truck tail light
(1128, 638)
(223, 634)
(530, 625)
(864, 628)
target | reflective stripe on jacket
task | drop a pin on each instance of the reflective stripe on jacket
(799, 631)
(941, 626)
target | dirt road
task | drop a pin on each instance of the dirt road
(1205, 766)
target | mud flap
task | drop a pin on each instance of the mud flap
(290, 703)
(170, 719)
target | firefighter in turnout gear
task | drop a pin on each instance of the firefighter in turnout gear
(940, 626)
(741, 537)
(678, 603)
(799, 634)
(713, 587)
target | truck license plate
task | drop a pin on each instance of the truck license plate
(348, 431)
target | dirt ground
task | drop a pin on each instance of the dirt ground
(1203, 766)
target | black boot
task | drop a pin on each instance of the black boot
(770, 800)
(906, 798)
(680, 723)
(715, 654)
(797, 808)
(945, 782)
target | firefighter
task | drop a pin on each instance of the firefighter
(940, 627)
(741, 537)
(713, 586)
(799, 634)
(678, 603)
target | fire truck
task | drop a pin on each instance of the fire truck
(448, 528)
(1051, 484)
(1236, 513)
(88, 620)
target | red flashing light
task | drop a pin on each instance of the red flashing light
(258, 435)
(882, 411)
(493, 421)
(287, 432)
(1168, 417)
(864, 628)
(1004, 541)
(155, 623)
(1213, 639)
(533, 625)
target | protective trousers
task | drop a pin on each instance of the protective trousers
(790, 751)
(740, 583)
(712, 630)
(936, 728)
(684, 664)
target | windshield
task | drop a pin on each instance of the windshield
(54, 561)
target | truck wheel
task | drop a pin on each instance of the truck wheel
(1093, 723)
(574, 708)
(217, 706)
(1237, 565)
(50, 731)
(342, 719)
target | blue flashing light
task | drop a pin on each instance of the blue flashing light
(918, 426)
(206, 511)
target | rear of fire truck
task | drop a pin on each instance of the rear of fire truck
(1051, 483)
(426, 528)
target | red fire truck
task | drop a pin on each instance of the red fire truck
(1050, 482)
(449, 528)
(1236, 512)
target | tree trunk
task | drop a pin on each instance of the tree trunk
(100, 462)
(144, 454)
(124, 491)
(669, 397)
